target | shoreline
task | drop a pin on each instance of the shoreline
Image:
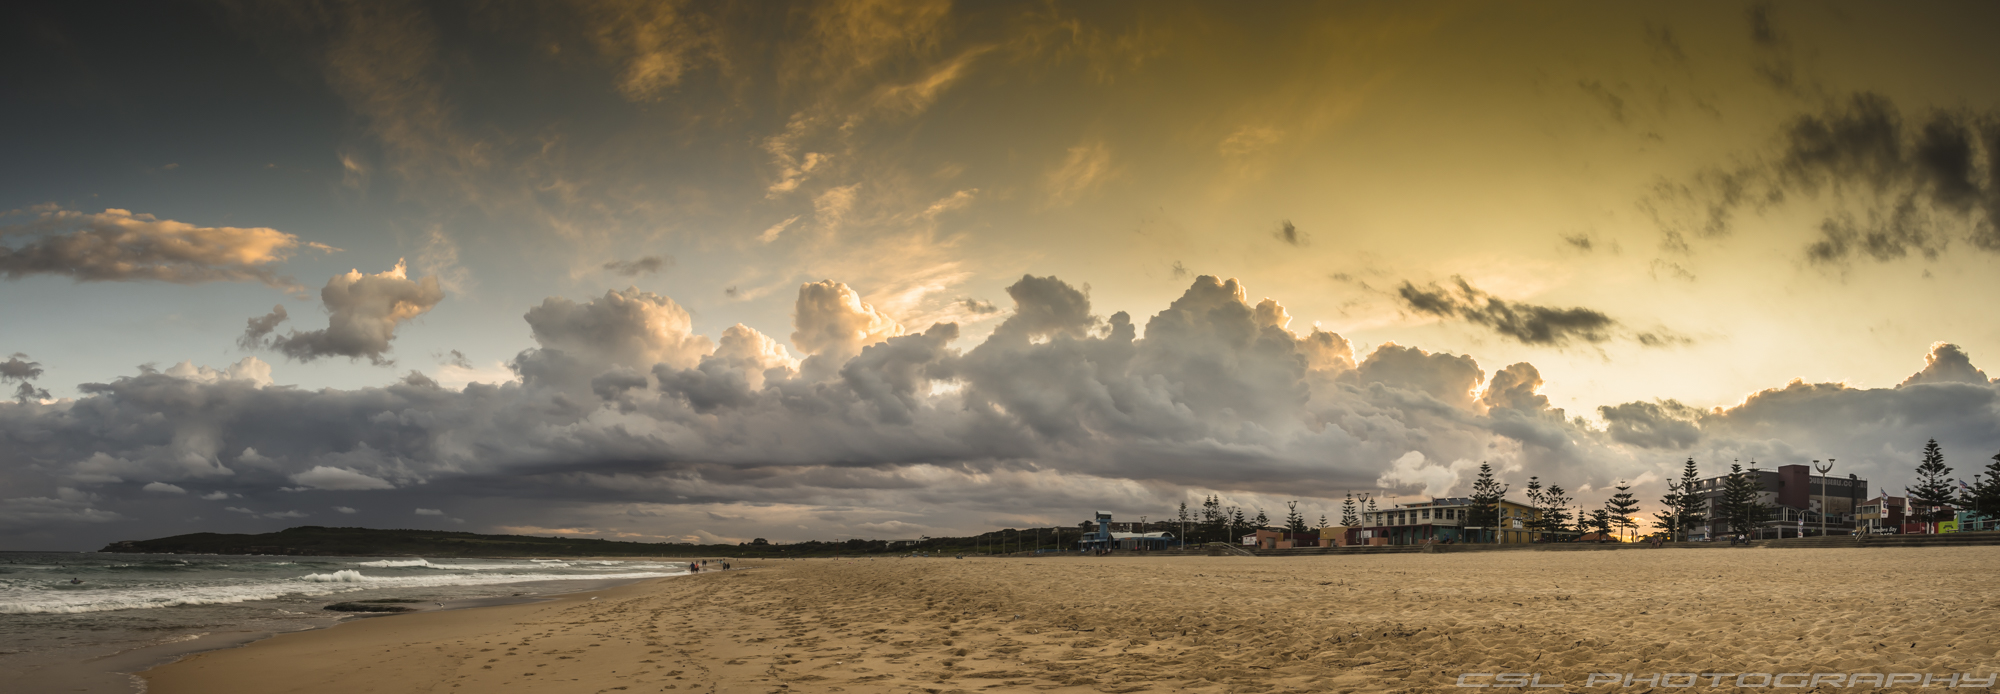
(168, 678)
(120, 670)
(1407, 622)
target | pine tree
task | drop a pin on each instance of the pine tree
(1536, 500)
(1985, 496)
(1237, 523)
(1348, 518)
(1213, 522)
(1669, 518)
(1621, 506)
(1486, 496)
(1691, 508)
(1600, 521)
(1262, 520)
(1931, 499)
(1742, 510)
(1322, 520)
(1293, 521)
(1555, 509)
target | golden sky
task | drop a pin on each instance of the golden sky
(1662, 209)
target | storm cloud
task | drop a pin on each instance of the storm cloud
(1897, 185)
(1525, 323)
(625, 418)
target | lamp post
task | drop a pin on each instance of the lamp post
(1822, 493)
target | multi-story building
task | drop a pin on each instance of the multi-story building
(1880, 514)
(1796, 501)
(1445, 519)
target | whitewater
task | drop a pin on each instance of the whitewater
(63, 606)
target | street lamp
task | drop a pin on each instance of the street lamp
(1822, 493)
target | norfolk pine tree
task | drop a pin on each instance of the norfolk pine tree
(1535, 499)
(1985, 496)
(1931, 498)
(1742, 510)
(1486, 495)
(1349, 519)
(1621, 506)
(1294, 522)
(1555, 509)
(1692, 510)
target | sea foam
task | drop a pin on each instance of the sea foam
(345, 580)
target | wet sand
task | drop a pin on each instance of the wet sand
(1408, 622)
(107, 668)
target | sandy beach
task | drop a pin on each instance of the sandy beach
(1410, 622)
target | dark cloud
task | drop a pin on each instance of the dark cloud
(1581, 242)
(1899, 189)
(1179, 271)
(118, 245)
(1660, 424)
(1665, 45)
(978, 307)
(22, 372)
(643, 266)
(624, 420)
(1613, 104)
(1526, 323)
(1290, 234)
(260, 327)
(363, 314)
(1762, 32)
(1774, 60)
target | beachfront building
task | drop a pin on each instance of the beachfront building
(1279, 538)
(1882, 514)
(1445, 519)
(1795, 500)
(1103, 536)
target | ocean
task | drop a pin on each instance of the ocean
(77, 621)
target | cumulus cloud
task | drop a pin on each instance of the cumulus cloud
(363, 314)
(1413, 470)
(1661, 424)
(643, 266)
(215, 496)
(630, 328)
(1947, 363)
(325, 477)
(626, 421)
(348, 510)
(163, 488)
(1528, 324)
(119, 245)
(833, 323)
(429, 512)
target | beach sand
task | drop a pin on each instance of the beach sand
(1406, 622)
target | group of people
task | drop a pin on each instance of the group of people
(696, 566)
